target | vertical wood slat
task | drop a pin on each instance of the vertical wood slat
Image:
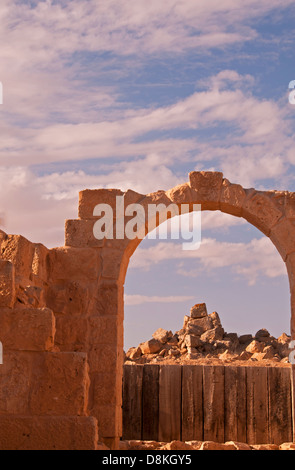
(170, 403)
(257, 406)
(150, 402)
(248, 404)
(235, 404)
(132, 402)
(280, 405)
(192, 403)
(213, 402)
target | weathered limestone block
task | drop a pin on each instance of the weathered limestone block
(206, 186)
(43, 384)
(199, 311)
(79, 234)
(71, 333)
(59, 384)
(216, 334)
(39, 263)
(109, 420)
(74, 264)
(103, 329)
(232, 198)
(105, 387)
(111, 263)
(105, 357)
(7, 284)
(255, 347)
(192, 341)
(283, 237)
(30, 296)
(260, 210)
(108, 299)
(203, 323)
(181, 194)
(71, 297)
(151, 346)
(89, 198)
(48, 433)
(20, 252)
(162, 335)
(27, 329)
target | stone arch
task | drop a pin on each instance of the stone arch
(272, 212)
(76, 296)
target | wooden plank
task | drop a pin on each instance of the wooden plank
(235, 404)
(192, 403)
(132, 402)
(213, 399)
(257, 406)
(170, 403)
(280, 405)
(150, 402)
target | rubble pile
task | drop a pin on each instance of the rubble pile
(203, 337)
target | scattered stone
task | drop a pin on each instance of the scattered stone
(262, 334)
(254, 347)
(202, 338)
(177, 445)
(150, 347)
(245, 356)
(210, 445)
(265, 447)
(199, 311)
(162, 335)
(245, 339)
(287, 446)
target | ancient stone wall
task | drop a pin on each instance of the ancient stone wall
(61, 312)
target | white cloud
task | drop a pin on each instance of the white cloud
(138, 299)
(258, 258)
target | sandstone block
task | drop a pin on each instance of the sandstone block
(209, 445)
(232, 198)
(204, 323)
(193, 341)
(214, 317)
(89, 198)
(27, 329)
(162, 335)
(263, 333)
(255, 347)
(74, 264)
(48, 433)
(213, 335)
(283, 237)
(244, 339)
(287, 446)
(152, 346)
(20, 252)
(259, 210)
(43, 384)
(7, 284)
(79, 234)
(199, 311)
(206, 187)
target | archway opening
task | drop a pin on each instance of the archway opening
(236, 272)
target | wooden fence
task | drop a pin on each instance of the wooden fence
(215, 403)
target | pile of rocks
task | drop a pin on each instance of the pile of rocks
(202, 337)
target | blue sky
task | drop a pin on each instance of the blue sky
(135, 95)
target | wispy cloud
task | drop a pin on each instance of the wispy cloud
(138, 299)
(258, 258)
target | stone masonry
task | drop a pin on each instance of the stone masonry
(62, 310)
